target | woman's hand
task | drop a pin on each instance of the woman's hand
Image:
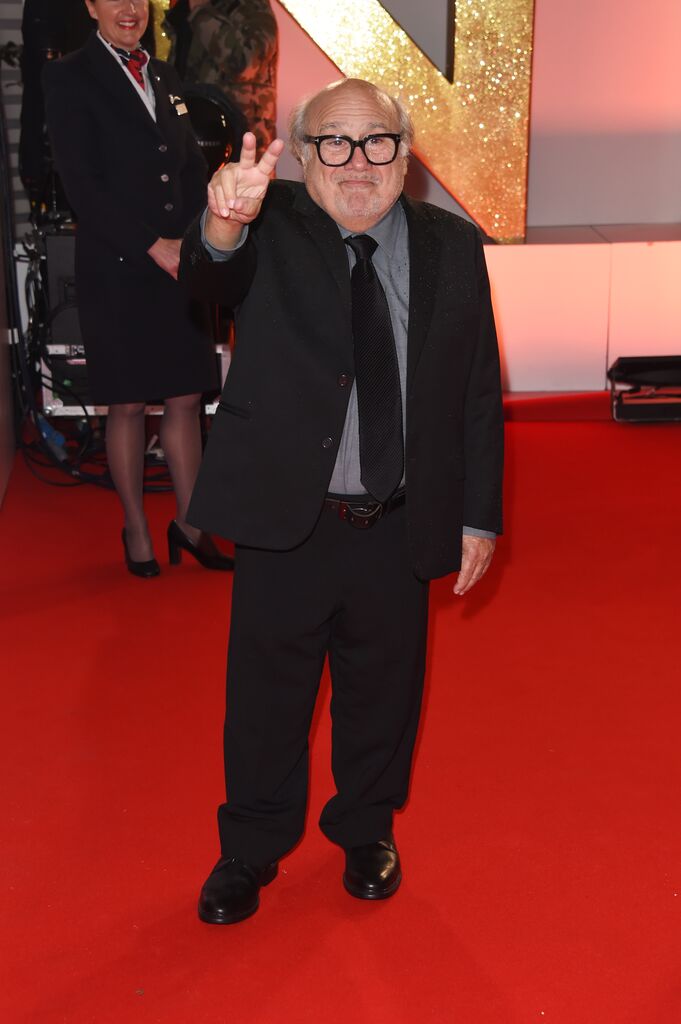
(165, 252)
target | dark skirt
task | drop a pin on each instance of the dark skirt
(144, 338)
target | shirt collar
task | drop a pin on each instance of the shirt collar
(386, 232)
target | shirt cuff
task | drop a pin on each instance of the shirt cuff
(471, 531)
(220, 255)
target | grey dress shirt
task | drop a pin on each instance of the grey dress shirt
(391, 261)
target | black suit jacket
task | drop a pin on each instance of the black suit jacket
(275, 437)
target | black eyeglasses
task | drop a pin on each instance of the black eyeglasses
(337, 150)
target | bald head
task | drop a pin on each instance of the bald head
(306, 114)
(359, 193)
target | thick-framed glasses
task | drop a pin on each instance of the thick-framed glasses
(337, 150)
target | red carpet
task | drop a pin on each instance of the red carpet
(542, 842)
(549, 407)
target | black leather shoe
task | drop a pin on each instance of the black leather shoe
(230, 893)
(205, 552)
(373, 872)
(143, 569)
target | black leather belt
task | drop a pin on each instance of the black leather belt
(364, 513)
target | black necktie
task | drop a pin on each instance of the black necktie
(379, 398)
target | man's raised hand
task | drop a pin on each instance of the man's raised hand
(236, 192)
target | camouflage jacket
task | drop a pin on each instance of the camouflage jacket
(234, 46)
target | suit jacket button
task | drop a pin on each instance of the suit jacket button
(168, 207)
(343, 380)
(164, 177)
(163, 148)
(327, 442)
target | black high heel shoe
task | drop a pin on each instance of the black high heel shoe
(179, 542)
(143, 569)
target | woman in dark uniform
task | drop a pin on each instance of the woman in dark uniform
(135, 176)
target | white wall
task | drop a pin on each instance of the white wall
(605, 139)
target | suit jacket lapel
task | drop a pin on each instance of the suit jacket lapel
(163, 102)
(323, 231)
(116, 81)
(424, 256)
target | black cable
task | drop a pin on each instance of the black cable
(35, 351)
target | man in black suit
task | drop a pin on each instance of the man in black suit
(356, 454)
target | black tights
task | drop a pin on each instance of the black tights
(125, 443)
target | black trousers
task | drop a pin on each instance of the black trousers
(350, 593)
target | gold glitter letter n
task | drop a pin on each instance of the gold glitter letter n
(471, 133)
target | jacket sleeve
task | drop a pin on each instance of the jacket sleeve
(226, 282)
(194, 176)
(74, 133)
(484, 416)
(194, 173)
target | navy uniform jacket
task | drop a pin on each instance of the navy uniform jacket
(130, 181)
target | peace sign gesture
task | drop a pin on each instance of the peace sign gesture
(236, 192)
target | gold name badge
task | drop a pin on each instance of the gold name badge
(471, 132)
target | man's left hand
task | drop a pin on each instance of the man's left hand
(475, 561)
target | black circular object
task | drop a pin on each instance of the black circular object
(218, 125)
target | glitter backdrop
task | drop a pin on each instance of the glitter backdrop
(162, 42)
(472, 134)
